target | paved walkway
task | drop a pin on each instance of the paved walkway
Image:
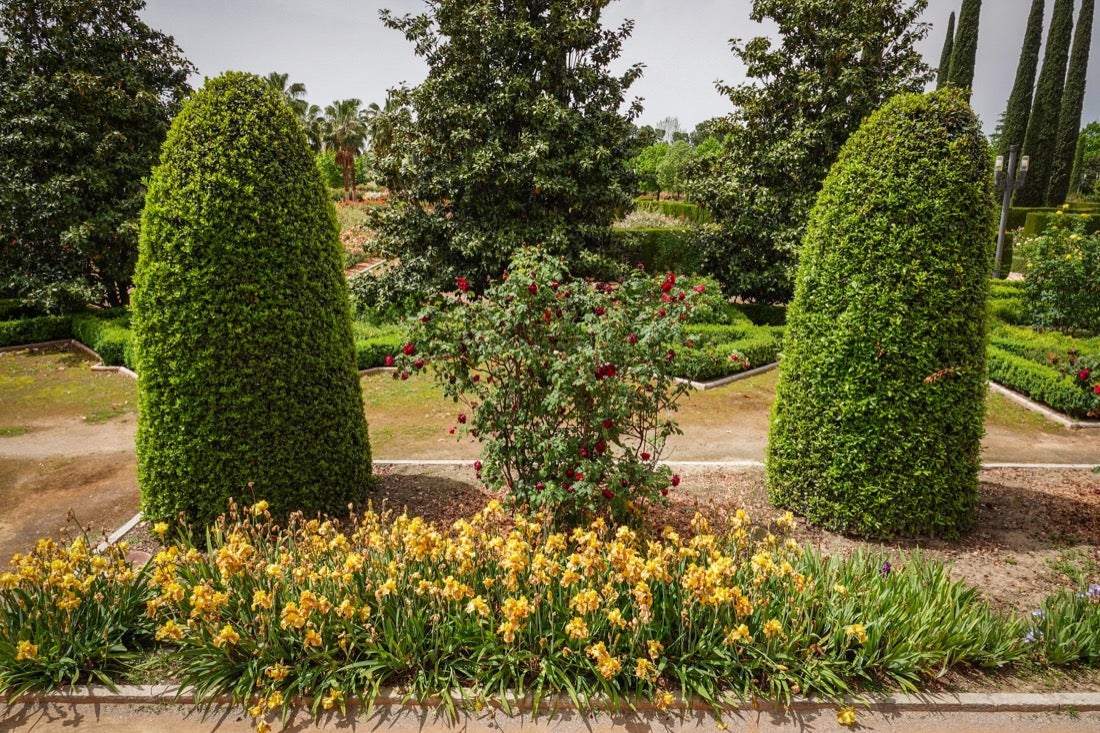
(1066, 713)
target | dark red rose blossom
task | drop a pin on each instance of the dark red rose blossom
(408, 349)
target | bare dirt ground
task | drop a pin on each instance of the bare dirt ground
(66, 441)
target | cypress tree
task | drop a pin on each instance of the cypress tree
(1078, 160)
(1014, 123)
(1073, 99)
(1042, 126)
(945, 55)
(965, 48)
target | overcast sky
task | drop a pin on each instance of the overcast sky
(340, 49)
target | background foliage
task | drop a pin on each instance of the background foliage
(515, 137)
(87, 91)
(835, 63)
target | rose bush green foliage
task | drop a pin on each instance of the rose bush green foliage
(878, 415)
(567, 383)
(1063, 275)
(247, 380)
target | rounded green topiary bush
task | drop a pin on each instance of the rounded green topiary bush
(246, 365)
(878, 416)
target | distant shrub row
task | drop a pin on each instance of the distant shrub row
(682, 210)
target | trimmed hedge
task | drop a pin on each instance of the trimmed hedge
(682, 210)
(657, 250)
(108, 334)
(35, 329)
(711, 359)
(879, 408)
(1037, 222)
(1039, 382)
(246, 364)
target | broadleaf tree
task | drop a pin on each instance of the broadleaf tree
(520, 134)
(835, 63)
(87, 92)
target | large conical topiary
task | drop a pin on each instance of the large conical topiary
(878, 416)
(246, 366)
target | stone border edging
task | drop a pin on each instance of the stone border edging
(391, 697)
(723, 381)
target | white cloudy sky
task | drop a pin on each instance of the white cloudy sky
(340, 49)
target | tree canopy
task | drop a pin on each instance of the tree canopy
(515, 137)
(835, 63)
(87, 91)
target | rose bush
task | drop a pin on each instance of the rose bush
(1063, 276)
(567, 383)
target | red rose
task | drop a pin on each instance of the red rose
(601, 447)
(700, 288)
(462, 284)
(633, 339)
(1083, 375)
(608, 423)
(645, 456)
(477, 466)
(462, 418)
(1096, 389)
(675, 479)
(533, 288)
(451, 431)
(608, 494)
(666, 286)
(419, 364)
(389, 360)
(409, 349)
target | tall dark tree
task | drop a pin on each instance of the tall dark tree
(836, 62)
(945, 55)
(515, 137)
(1019, 101)
(965, 48)
(87, 91)
(1041, 138)
(1073, 101)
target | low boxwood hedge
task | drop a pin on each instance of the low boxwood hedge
(682, 210)
(1039, 382)
(108, 334)
(657, 250)
(35, 329)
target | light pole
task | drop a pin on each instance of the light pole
(1009, 184)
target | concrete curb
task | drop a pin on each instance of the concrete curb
(396, 699)
(723, 381)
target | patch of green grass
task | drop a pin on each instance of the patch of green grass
(104, 414)
(13, 430)
(1009, 414)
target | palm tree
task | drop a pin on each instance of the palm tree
(295, 93)
(345, 133)
(383, 126)
(314, 124)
